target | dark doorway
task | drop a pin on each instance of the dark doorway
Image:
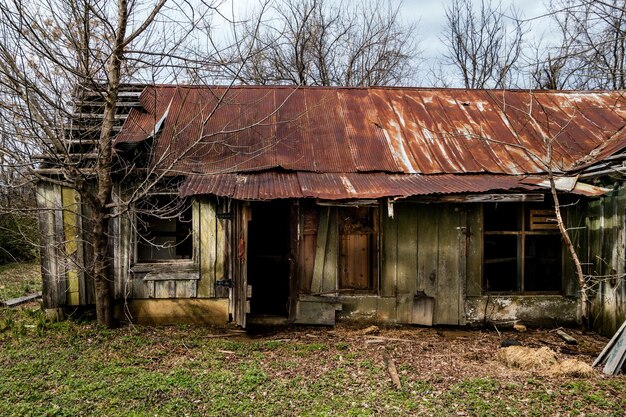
(268, 257)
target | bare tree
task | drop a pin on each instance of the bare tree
(316, 42)
(50, 53)
(592, 53)
(484, 44)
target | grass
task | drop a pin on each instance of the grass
(76, 368)
(19, 279)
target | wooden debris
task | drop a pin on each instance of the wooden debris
(392, 339)
(568, 339)
(609, 345)
(614, 353)
(20, 300)
(370, 330)
(214, 336)
(520, 327)
(393, 372)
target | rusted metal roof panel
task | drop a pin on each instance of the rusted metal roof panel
(336, 186)
(215, 130)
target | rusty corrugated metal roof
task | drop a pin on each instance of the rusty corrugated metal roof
(336, 186)
(319, 142)
(399, 130)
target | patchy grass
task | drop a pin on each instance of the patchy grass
(19, 279)
(74, 368)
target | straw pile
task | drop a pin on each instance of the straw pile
(571, 367)
(542, 360)
(527, 358)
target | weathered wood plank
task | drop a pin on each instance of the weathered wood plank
(320, 250)
(462, 233)
(185, 289)
(20, 300)
(331, 260)
(71, 245)
(390, 255)
(427, 249)
(46, 241)
(474, 251)
(164, 289)
(407, 248)
(447, 298)
(406, 216)
(142, 289)
(172, 276)
(208, 248)
(220, 249)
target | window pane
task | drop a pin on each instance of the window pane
(500, 265)
(501, 217)
(164, 229)
(543, 267)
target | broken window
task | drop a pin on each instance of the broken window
(522, 248)
(164, 229)
(358, 244)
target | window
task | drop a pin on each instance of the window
(522, 248)
(358, 244)
(164, 229)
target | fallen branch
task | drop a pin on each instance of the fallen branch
(393, 372)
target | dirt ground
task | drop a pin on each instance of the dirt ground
(441, 353)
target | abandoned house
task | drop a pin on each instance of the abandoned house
(311, 205)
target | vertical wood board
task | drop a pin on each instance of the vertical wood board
(447, 298)
(428, 249)
(320, 251)
(389, 254)
(208, 249)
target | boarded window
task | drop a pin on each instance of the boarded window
(163, 229)
(358, 242)
(522, 248)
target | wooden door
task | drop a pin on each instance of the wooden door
(239, 300)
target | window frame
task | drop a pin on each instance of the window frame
(187, 264)
(522, 213)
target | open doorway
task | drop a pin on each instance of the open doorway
(268, 258)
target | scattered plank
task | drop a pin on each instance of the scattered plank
(568, 339)
(20, 300)
(617, 355)
(609, 345)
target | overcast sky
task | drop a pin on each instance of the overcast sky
(430, 15)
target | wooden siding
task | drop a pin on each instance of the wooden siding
(73, 245)
(604, 253)
(423, 257)
(49, 202)
(193, 278)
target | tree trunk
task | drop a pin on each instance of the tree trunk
(583, 302)
(104, 306)
(104, 187)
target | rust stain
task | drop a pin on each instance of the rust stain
(210, 131)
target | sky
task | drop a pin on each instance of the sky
(430, 17)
